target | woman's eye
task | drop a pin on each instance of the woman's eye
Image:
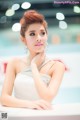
(43, 33)
(32, 34)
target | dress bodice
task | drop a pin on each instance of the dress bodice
(24, 86)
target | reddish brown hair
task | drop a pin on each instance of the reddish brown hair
(30, 17)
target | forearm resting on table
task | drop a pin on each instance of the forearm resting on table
(10, 101)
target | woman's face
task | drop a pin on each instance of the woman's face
(36, 38)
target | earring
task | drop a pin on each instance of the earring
(25, 49)
(46, 46)
(46, 43)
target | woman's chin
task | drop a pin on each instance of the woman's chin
(39, 51)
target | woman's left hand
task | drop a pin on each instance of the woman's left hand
(38, 59)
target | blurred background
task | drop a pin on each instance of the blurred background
(63, 19)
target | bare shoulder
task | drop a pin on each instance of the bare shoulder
(14, 64)
(13, 61)
(59, 65)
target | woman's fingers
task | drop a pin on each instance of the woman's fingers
(43, 105)
(39, 59)
(37, 107)
(46, 104)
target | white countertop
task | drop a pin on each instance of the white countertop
(58, 110)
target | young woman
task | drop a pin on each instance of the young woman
(34, 78)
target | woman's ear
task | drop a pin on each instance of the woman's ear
(23, 39)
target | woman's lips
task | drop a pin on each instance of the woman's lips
(39, 44)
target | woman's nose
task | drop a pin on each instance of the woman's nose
(38, 38)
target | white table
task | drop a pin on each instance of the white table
(59, 112)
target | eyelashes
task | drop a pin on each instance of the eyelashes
(34, 34)
(43, 33)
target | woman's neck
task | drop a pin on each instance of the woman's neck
(29, 58)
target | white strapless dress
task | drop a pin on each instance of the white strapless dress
(24, 86)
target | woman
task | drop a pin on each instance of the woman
(34, 78)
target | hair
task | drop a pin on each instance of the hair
(31, 17)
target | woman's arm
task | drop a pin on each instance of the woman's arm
(8, 100)
(44, 91)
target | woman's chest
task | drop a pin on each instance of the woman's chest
(48, 68)
(45, 69)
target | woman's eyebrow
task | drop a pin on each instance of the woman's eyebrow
(42, 30)
(32, 31)
(35, 30)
